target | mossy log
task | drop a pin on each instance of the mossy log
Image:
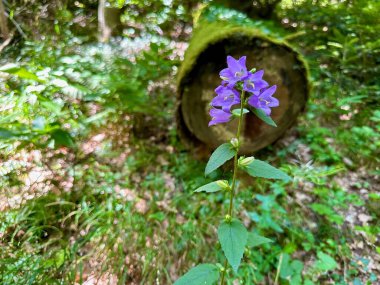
(199, 76)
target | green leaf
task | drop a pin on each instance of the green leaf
(57, 260)
(256, 240)
(51, 106)
(286, 270)
(18, 71)
(222, 154)
(297, 266)
(209, 188)
(262, 116)
(205, 274)
(259, 168)
(159, 216)
(296, 280)
(9, 68)
(357, 281)
(291, 269)
(62, 138)
(328, 212)
(6, 134)
(233, 238)
(236, 112)
(325, 262)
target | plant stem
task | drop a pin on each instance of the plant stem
(224, 272)
(278, 270)
(233, 187)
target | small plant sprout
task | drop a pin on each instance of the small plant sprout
(240, 92)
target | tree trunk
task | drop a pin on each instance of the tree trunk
(199, 76)
(108, 20)
(3, 22)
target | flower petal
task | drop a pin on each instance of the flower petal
(242, 61)
(266, 110)
(269, 92)
(258, 75)
(219, 116)
(260, 84)
(218, 90)
(274, 102)
(254, 101)
(233, 64)
(226, 73)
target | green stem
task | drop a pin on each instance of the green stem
(233, 187)
(224, 272)
(278, 270)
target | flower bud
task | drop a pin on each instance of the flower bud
(235, 142)
(223, 184)
(221, 267)
(245, 161)
(228, 218)
(252, 70)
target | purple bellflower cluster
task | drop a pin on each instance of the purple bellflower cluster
(258, 93)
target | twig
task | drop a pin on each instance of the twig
(16, 25)
(7, 41)
(278, 270)
(295, 35)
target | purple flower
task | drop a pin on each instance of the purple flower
(235, 72)
(254, 83)
(219, 116)
(226, 98)
(236, 78)
(265, 100)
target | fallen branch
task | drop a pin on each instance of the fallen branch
(7, 41)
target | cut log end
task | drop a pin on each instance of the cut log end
(282, 67)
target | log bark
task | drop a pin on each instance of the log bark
(199, 76)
